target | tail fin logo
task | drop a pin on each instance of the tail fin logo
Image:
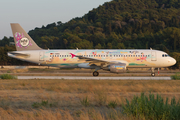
(22, 41)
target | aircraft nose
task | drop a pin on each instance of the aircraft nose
(172, 61)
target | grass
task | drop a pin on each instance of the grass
(100, 97)
(85, 102)
(151, 107)
(176, 76)
(78, 99)
(112, 104)
(44, 103)
(7, 76)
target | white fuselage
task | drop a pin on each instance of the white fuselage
(67, 58)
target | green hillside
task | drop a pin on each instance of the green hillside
(118, 24)
(129, 24)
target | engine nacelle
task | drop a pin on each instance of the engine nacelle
(117, 68)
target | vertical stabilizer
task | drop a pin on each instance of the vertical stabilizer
(22, 40)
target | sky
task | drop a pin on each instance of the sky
(35, 13)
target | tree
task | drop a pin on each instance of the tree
(98, 46)
(120, 46)
(109, 46)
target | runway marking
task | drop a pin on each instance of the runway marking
(93, 78)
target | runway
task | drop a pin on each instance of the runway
(93, 78)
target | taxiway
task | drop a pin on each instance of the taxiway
(93, 78)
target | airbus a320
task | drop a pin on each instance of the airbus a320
(113, 60)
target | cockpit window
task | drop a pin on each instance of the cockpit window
(165, 55)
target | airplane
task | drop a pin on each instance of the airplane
(113, 60)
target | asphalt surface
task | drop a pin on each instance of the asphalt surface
(93, 78)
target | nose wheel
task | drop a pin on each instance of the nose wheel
(95, 73)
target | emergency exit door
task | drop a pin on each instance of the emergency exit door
(153, 56)
(41, 56)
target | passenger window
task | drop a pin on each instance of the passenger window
(106, 55)
(59, 55)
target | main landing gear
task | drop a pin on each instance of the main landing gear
(152, 72)
(95, 73)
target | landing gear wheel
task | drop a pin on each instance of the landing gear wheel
(152, 74)
(95, 73)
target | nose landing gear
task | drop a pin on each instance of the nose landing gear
(152, 72)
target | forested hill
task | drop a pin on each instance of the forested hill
(133, 24)
(118, 24)
(129, 24)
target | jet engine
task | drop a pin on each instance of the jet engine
(117, 68)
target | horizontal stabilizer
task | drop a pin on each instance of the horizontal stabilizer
(20, 55)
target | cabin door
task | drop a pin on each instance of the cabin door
(41, 56)
(153, 56)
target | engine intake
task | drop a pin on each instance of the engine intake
(117, 68)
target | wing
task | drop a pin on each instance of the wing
(98, 62)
